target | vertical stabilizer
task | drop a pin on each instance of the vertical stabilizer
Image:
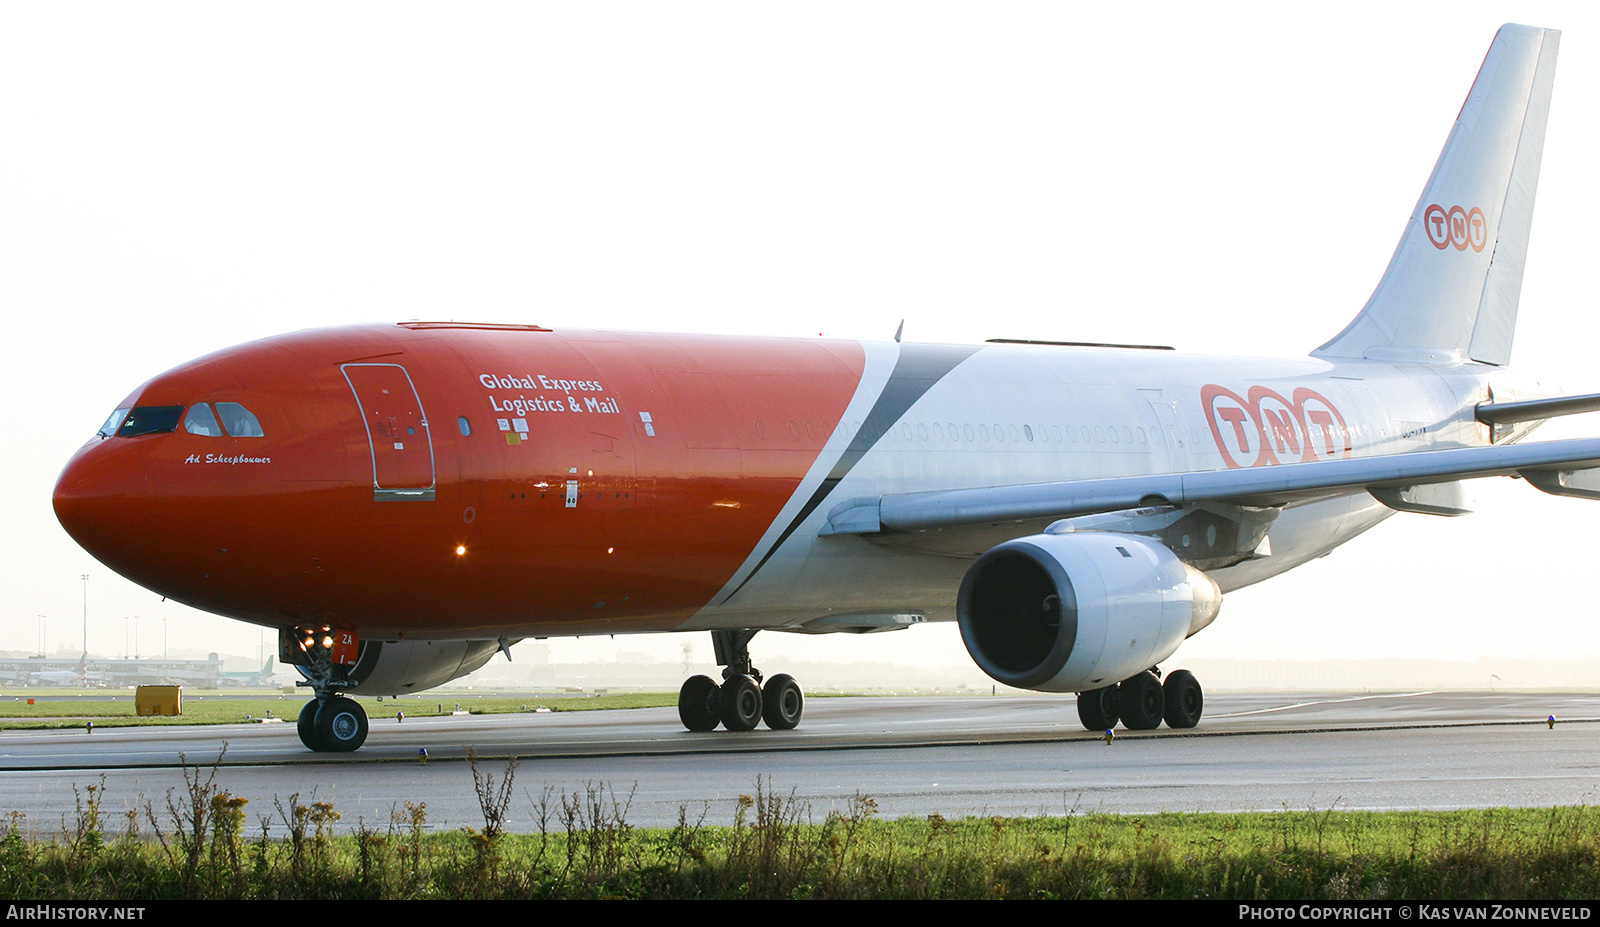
(1450, 292)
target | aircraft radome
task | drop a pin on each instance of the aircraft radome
(402, 501)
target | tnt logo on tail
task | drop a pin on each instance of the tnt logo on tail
(1455, 226)
(1263, 428)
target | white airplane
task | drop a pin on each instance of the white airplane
(260, 677)
(73, 677)
(1080, 510)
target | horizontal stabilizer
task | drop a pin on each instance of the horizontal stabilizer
(1530, 410)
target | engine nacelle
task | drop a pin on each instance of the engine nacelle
(401, 667)
(1077, 611)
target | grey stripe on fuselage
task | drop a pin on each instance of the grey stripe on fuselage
(918, 368)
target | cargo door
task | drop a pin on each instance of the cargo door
(397, 432)
(1158, 414)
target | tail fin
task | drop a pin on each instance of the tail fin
(1451, 290)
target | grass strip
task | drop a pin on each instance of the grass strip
(203, 844)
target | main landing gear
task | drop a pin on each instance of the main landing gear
(332, 722)
(741, 702)
(1142, 702)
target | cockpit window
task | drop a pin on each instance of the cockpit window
(113, 423)
(200, 421)
(238, 420)
(149, 420)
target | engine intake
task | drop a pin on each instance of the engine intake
(1073, 612)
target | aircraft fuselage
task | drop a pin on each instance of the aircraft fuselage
(458, 482)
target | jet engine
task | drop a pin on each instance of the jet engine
(400, 667)
(1081, 610)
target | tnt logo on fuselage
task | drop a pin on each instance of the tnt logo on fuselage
(1263, 428)
(1458, 227)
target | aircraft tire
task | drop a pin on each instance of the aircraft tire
(1099, 709)
(1185, 701)
(341, 724)
(1143, 702)
(698, 703)
(782, 702)
(307, 726)
(741, 703)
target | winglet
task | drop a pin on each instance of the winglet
(1450, 292)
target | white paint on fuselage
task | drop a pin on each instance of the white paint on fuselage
(1021, 414)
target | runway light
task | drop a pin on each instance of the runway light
(327, 641)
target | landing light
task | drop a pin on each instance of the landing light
(461, 550)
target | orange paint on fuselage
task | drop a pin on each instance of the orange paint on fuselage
(287, 528)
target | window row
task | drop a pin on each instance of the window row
(1135, 435)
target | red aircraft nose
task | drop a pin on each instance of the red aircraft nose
(100, 498)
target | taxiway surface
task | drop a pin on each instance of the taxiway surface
(1006, 755)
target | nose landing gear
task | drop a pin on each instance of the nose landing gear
(332, 722)
(335, 724)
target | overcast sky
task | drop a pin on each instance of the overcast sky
(1225, 178)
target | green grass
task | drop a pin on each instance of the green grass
(205, 843)
(17, 714)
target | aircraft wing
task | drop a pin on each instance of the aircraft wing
(1567, 467)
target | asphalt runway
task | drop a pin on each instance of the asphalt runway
(1005, 755)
